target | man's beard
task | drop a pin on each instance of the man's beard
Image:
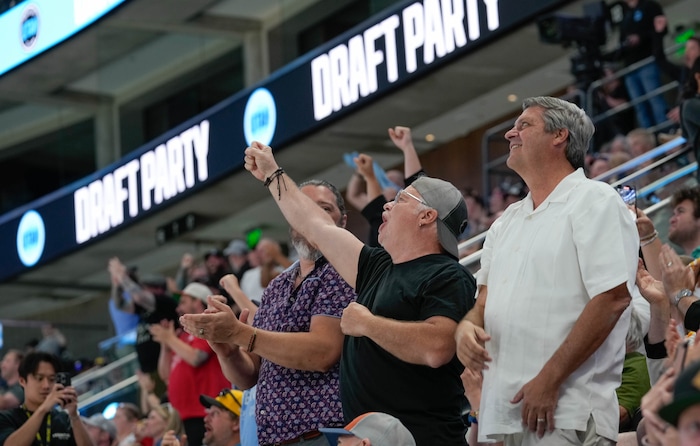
(303, 247)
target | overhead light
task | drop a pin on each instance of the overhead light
(430, 137)
(512, 98)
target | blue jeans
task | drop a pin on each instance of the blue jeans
(640, 82)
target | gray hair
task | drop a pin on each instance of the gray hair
(635, 335)
(336, 193)
(559, 114)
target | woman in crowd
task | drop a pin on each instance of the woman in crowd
(160, 420)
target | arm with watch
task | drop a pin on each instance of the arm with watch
(679, 284)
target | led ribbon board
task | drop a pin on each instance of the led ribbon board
(387, 51)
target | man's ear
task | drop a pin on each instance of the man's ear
(561, 136)
(429, 216)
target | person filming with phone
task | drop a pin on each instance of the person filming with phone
(49, 414)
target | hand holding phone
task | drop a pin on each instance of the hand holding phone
(63, 378)
(628, 194)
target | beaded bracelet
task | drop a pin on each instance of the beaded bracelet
(277, 174)
(251, 342)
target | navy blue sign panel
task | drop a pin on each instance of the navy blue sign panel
(389, 50)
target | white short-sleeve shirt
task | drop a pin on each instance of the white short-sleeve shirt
(542, 266)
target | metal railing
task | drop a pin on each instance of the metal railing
(673, 150)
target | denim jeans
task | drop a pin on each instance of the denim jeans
(640, 82)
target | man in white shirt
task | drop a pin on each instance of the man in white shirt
(557, 268)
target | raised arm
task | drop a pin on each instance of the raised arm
(138, 295)
(401, 137)
(340, 247)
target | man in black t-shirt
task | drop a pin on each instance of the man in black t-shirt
(39, 421)
(399, 350)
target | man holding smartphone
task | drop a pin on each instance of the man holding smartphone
(38, 421)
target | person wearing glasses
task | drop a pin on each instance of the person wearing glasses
(412, 292)
(293, 347)
(549, 325)
(49, 414)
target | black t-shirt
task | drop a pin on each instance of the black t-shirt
(147, 350)
(61, 432)
(428, 401)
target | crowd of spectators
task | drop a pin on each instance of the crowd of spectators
(250, 345)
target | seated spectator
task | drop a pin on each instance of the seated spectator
(9, 368)
(44, 400)
(640, 142)
(160, 420)
(102, 431)
(370, 429)
(222, 422)
(126, 420)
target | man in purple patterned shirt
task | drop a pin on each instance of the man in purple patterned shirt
(292, 350)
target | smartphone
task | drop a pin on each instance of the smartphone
(628, 194)
(679, 358)
(63, 378)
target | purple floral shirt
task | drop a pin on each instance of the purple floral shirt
(291, 402)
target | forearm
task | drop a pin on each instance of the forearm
(430, 342)
(80, 433)
(373, 188)
(588, 333)
(355, 193)
(650, 254)
(309, 351)
(237, 366)
(138, 295)
(658, 323)
(411, 162)
(476, 314)
(242, 301)
(192, 356)
(164, 359)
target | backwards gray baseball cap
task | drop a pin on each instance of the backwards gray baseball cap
(382, 430)
(452, 211)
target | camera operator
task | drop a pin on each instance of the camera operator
(38, 421)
